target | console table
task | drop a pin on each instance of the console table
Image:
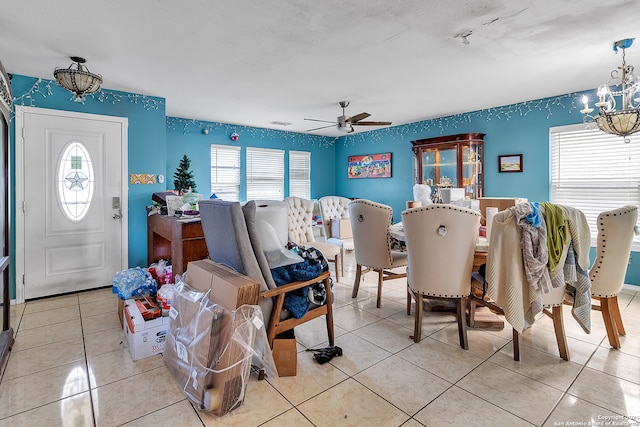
(170, 238)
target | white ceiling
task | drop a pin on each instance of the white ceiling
(253, 62)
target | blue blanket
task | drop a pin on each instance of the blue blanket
(297, 302)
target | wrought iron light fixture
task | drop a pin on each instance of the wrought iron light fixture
(79, 80)
(622, 86)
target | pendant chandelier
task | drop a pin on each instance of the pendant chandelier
(619, 90)
(78, 80)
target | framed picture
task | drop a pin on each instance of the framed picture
(510, 163)
(370, 166)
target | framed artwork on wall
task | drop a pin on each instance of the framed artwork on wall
(370, 166)
(510, 163)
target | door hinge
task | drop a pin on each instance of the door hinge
(23, 133)
(24, 207)
(23, 279)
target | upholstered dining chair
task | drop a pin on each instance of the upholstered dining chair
(370, 222)
(335, 208)
(300, 214)
(232, 240)
(441, 241)
(505, 288)
(615, 236)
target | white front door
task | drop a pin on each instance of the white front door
(71, 200)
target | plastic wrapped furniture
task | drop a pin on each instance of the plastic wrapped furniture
(300, 215)
(370, 222)
(209, 350)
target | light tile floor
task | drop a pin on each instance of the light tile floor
(70, 367)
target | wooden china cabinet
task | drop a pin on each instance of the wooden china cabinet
(451, 161)
(6, 333)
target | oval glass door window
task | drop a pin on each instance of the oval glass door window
(75, 181)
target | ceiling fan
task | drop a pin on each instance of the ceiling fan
(345, 123)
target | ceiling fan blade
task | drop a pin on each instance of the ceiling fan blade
(358, 117)
(371, 123)
(351, 129)
(317, 120)
(323, 127)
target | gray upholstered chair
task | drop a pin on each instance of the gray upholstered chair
(441, 241)
(232, 240)
(335, 207)
(300, 224)
(370, 222)
(615, 236)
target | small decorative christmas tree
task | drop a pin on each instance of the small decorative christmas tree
(183, 176)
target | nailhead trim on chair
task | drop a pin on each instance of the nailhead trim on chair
(442, 206)
(597, 266)
(388, 208)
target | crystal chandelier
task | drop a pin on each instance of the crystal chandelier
(622, 87)
(78, 80)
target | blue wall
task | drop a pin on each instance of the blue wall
(157, 143)
(512, 129)
(185, 136)
(147, 147)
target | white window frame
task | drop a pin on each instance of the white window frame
(594, 171)
(300, 174)
(225, 172)
(265, 174)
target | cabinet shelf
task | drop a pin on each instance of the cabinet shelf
(463, 172)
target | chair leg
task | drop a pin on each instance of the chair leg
(356, 282)
(408, 301)
(417, 325)
(472, 312)
(516, 345)
(337, 261)
(342, 261)
(329, 315)
(609, 322)
(462, 322)
(561, 338)
(615, 310)
(380, 280)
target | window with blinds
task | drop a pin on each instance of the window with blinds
(265, 174)
(300, 174)
(594, 171)
(225, 172)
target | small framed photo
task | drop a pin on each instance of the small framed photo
(510, 163)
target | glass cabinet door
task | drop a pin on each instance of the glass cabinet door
(440, 166)
(451, 161)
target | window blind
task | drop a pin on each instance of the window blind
(225, 172)
(594, 171)
(265, 174)
(300, 174)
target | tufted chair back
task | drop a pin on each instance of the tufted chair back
(300, 219)
(333, 207)
(615, 236)
(370, 222)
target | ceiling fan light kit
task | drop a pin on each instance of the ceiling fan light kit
(623, 86)
(345, 124)
(79, 80)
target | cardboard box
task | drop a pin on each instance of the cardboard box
(501, 203)
(144, 337)
(341, 228)
(451, 194)
(285, 354)
(228, 287)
